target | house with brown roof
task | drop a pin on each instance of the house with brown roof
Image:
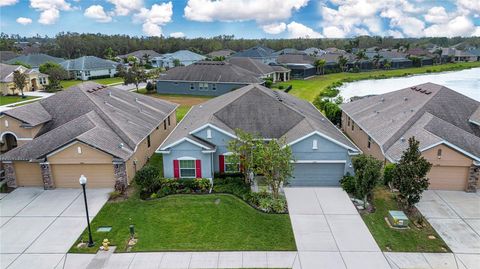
(445, 122)
(264, 71)
(102, 132)
(35, 80)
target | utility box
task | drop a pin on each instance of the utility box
(398, 219)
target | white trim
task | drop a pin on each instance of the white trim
(213, 127)
(186, 158)
(160, 148)
(8, 132)
(188, 140)
(318, 161)
(228, 153)
(474, 122)
(163, 151)
(452, 146)
(477, 163)
(322, 135)
(208, 151)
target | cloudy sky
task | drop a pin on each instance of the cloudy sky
(243, 18)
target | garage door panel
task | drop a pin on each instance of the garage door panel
(98, 175)
(317, 174)
(448, 177)
(28, 174)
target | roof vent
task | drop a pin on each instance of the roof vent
(120, 145)
(402, 139)
(382, 99)
(411, 110)
(109, 93)
(428, 92)
(136, 99)
(405, 98)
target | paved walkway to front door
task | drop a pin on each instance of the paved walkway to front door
(329, 232)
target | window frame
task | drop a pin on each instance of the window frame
(369, 143)
(149, 141)
(187, 168)
(226, 163)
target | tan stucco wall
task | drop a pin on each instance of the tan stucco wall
(143, 153)
(450, 157)
(28, 174)
(360, 138)
(14, 126)
(88, 155)
(10, 89)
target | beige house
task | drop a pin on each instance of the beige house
(446, 123)
(35, 80)
(104, 133)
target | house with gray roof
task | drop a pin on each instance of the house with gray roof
(445, 122)
(199, 145)
(35, 80)
(141, 55)
(102, 132)
(183, 57)
(210, 78)
(220, 53)
(90, 67)
(300, 64)
(34, 60)
(261, 53)
(264, 71)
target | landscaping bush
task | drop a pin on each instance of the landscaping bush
(289, 88)
(183, 185)
(280, 87)
(147, 179)
(150, 87)
(266, 202)
(217, 175)
(388, 173)
(348, 183)
(232, 185)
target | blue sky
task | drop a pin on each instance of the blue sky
(243, 18)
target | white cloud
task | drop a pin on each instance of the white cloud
(152, 19)
(477, 31)
(177, 35)
(298, 30)
(50, 9)
(436, 15)
(241, 10)
(123, 7)
(333, 32)
(469, 6)
(97, 13)
(459, 26)
(395, 34)
(4, 3)
(24, 21)
(274, 28)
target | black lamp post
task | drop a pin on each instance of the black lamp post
(83, 182)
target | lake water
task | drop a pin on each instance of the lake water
(466, 82)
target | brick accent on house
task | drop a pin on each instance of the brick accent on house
(47, 177)
(10, 176)
(473, 178)
(120, 174)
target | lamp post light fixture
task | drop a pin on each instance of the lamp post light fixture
(83, 182)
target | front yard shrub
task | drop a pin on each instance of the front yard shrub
(147, 179)
(218, 175)
(348, 183)
(388, 174)
(183, 186)
(232, 185)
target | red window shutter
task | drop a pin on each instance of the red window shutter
(198, 165)
(221, 163)
(176, 169)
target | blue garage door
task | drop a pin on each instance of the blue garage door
(317, 174)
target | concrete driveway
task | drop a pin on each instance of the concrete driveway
(37, 227)
(329, 232)
(455, 215)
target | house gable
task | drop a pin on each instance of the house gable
(317, 147)
(79, 153)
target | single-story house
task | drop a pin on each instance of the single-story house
(301, 65)
(261, 53)
(198, 146)
(90, 67)
(288, 51)
(34, 60)
(314, 51)
(141, 55)
(102, 132)
(225, 53)
(205, 78)
(184, 58)
(264, 71)
(456, 55)
(446, 123)
(35, 80)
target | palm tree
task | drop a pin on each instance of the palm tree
(320, 64)
(376, 60)
(342, 62)
(387, 64)
(20, 81)
(360, 55)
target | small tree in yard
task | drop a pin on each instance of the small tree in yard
(55, 73)
(368, 172)
(20, 81)
(135, 74)
(273, 162)
(409, 175)
(150, 87)
(244, 151)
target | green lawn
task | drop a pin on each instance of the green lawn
(410, 240)
(10, 99)
(212, 222)
(309, 89)
(105, 81)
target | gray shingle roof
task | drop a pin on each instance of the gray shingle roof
(255, 52)
(32, 115)
(140, 53)
(103, 117)
(183, 55)
(211, 71)
(35, 59)
(88, 63)
(221, 53)
(259, 110)
(6, 55)
(252, 65)
(389, 117)
(295, 59)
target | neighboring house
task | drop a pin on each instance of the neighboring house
(184, 57)
(211, 78)
(220, 53)
(140, 55)
(456, 55)
(314, 51)
(446, 123)
(35, 80)
(102, 132)
(6, 55)
(301, 65)
(264, 54)
(396, 59)
(90, 67)
(288, 51)
(264, 71)
(35, 60)
(198, 146)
